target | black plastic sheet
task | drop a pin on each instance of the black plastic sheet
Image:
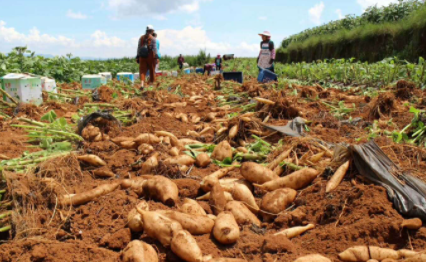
(405, 191)
(85, 120)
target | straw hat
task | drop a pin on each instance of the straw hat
(265, 33)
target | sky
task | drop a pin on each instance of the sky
(111, 28)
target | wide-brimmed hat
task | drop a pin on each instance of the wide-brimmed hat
(149, 27)
(265, 33)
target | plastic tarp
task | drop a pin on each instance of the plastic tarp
(405, 191)
(293, 128)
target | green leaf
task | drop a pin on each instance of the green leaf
(49, 117)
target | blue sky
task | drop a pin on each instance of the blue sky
(110, 28)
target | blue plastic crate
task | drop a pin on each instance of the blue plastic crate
(187, 71)
(234, 76)
(266, 76)
(199, 70)
(122, 76)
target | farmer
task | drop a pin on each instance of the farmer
(266, 57)
(218, 62)
(158, 52)
(147, 55)
(208, 68)
(181, 60)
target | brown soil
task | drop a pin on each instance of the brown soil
(356, 213)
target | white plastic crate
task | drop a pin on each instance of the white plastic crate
(48, 84)
(25, 88)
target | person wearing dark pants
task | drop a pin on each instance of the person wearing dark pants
(218, 62)
(147, 56)
(181, 60)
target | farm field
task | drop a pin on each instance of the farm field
(78, 189)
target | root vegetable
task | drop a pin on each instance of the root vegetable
(206, 184)
(135, 184)
(412, 224)
(222, 150)
(174, 151)
(221, 131)
(224, 259)
(211, 116)
(119, 139)
(233, 132)
(134, 219)
(242, 150)
(149, 164)
(184, 246)
(337, 178)
(103, 173)
(183, 160)
(159, 226)
(296, 180)
(256, 173)
(202, 160)
(242, 214)
(228, 196)
(82, 198)
(354, 254)
(278, 171)
(279, 159)
(226, 229)
(139, 251)
(188, 141)
(192, 207)
(147, 139)
(217, 198)
(264, 101)
(316, 158)
(205, 130)
(163, 189)
(382, 253)
(312, 258)
(164, 133)
(276, 201)
(242, 192)
(195, 224)
(192, 133)
(406, 253)
(92, 159)
(145, 149)
(295, 231)
(417, 258)
(128, 145)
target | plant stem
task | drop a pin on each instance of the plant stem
(99, 104)
(5, 229)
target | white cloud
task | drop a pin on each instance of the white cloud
(153, 8)
(188, 40)
(339, 14)
(263, 18)
(74, 15)
(315, 13)
(367, 3)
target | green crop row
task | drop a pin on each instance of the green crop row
(373, 15)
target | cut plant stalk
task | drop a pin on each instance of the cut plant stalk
(9, 96)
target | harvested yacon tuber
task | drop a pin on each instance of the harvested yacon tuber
(202, 160)
(242, 192)
(312, 258)
(83, 198)
(139, 251)
(147, 139)
(184, 246)
(222, 150)
(412, 224)
(217, 199)
(242, 214)
(337, 178)
(183, 160)
(159, 226)
(295, 231)
(149, 165)
(195, 224)
(163, 189)
(192, 207)
(256, 173)
(296, 180)
(276, 201)
(134, 219)
(226, 229)
(92, 160)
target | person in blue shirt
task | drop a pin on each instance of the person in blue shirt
(218, 62)
(158, 51)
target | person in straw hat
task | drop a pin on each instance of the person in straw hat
(266, 57)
